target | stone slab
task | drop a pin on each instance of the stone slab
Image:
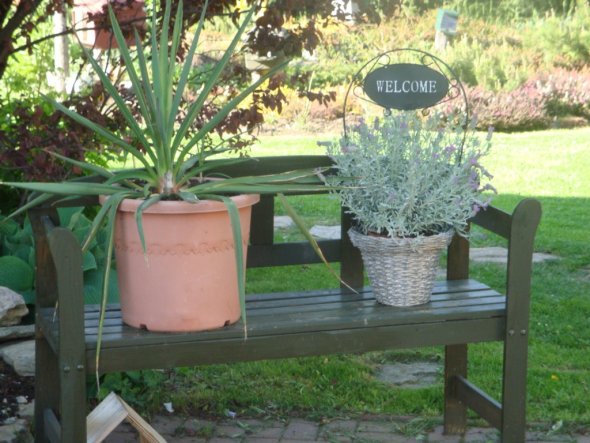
(326, 232)
(413, 375)
(8, 333)
(283, 221)
(17, 432)
(21, 356)
(12, 307)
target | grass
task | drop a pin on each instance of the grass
(553, 166)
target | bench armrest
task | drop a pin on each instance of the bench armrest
(519, 228)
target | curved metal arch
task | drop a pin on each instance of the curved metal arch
(455, 90)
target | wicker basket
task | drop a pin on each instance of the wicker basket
(401, 271)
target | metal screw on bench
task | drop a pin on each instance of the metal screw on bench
(80, 367)
(66, 369)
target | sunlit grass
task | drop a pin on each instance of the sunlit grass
(553, 166)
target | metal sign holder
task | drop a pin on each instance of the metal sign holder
(422, 63)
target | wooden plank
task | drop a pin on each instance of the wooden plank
(262, 225)
(111, 412)
(67, 256)
(494, 220)
(477, 400)
(105, 418)
(306, 312)
(155, 355)
(325, 308)
(51, 429)
(526, 218)
(458, 259)
(442, 289)
(275, 165)
(309, 320)
(42, 221)
(452, 290)
(46, 389)
(147, 434)
(352, 266)
(295, 253)
(455, 412)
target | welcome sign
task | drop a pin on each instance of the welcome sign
(406, 86)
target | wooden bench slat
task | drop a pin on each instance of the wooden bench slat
(440, 290)
(313, 311)
(299, 344)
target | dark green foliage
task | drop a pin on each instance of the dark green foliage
(17, 256)
(32, 131)
(141, 389)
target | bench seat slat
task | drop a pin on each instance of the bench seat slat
(441, 290)
(315, 314)
(323, 305)
(296, 345)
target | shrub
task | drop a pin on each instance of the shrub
(522, 109)
(510, 10)
(31, 132)
(533, 105)
(492, 62)
(562, 41)
(567, 92)
(17, 257)
(404, 176)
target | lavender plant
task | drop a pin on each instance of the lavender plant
(406, 176)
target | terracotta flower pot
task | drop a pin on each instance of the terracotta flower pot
(129, 14)
(187, 281)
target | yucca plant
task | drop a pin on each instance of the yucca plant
(173, 156)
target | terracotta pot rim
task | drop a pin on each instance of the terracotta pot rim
(182, 207)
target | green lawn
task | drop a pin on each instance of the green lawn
(553, 166)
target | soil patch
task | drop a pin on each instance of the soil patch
(13, 386)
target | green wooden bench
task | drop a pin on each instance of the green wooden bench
(291, 324)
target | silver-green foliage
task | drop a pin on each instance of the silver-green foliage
(406, 176)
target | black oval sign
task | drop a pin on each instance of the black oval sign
(406, 86)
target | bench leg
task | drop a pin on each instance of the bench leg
(73, 402)
(514, 389)
(455, 412)
(60, 389)
(46, 386)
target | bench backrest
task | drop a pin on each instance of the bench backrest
(263, 251)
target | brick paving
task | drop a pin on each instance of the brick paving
(189, 430)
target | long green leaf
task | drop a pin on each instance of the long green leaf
(126, 175)
(67, 188)
(95, 169)
(167, 66)
(202, 169)
(103, 132)
(145, 85)
(297, 180)
(234, 216)
(112, 204)
(31, 204)
(139, 218)
(136, 82)
(230, 106)
(184, 75)
(114, 94)
(157, 69)
(314, 244)
(211, 81)
(257, 189)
